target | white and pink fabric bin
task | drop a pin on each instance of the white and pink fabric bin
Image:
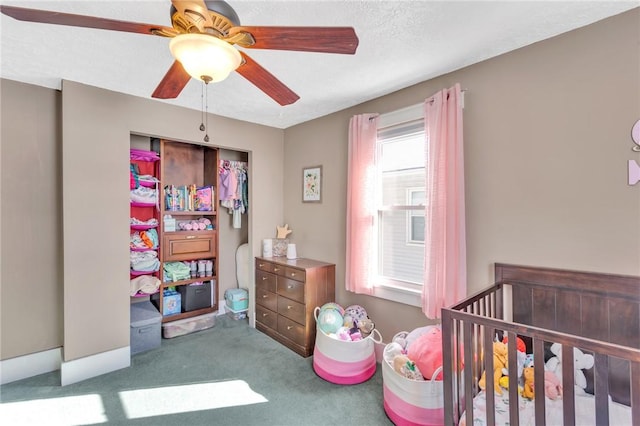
(412, 402)
(345, 362)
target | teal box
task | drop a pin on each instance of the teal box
(237, 298)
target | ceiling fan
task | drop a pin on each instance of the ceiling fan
(216, 25)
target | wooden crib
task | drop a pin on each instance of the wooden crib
(597, 313)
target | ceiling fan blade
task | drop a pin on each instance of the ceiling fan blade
(172, 83)
(59, 18)
(266, 81)
(305, 39)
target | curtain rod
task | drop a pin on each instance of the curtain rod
(420, 104)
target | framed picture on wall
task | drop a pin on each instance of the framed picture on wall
(312, 184)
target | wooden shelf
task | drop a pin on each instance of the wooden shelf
(189, 213)
(189, 314)
(189, 281)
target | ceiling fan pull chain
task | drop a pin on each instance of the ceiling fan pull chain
(206, 118)
(202, 128)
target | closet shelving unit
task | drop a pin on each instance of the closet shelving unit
(144, 212)
(188, 164)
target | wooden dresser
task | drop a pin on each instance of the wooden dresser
(287, 292)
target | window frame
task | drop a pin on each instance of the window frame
(404, 292)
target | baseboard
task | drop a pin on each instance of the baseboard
(94, 365)
(30, 365)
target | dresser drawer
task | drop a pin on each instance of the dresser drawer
(294, 274)
(291, 289)
(278, 269)
(189, 245)
(266, 317)
(267, 299)
(293, 310)
(266, 281)
(292, 330)
(261, 265)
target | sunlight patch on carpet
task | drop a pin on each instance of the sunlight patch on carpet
(142, 403)
(68, 410)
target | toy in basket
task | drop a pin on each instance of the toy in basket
(342, 361)
(410, 399)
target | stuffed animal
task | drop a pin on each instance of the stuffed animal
(499, 362)
(552, 385)
(581, 361)
(426, 352)
(406, 368)
(519, 343)
(527, 390)
(504, 382)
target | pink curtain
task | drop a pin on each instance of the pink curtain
(445, 277)
(360, 199)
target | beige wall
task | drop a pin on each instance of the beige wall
(91, 165)
(547, 139)
(546, 142)
(31, 220)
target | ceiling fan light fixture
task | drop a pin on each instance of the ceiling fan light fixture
(205, 57)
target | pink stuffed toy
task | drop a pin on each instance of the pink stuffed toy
(552, 385)
(426, 352)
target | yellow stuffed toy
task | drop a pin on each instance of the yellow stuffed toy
(527, 391)
(499, 362)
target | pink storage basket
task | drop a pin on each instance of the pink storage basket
(412, 402)
(343, 362)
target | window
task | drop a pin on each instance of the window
(399, 222)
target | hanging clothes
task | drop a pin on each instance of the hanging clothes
(234, 189)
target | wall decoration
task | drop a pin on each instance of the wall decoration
(633, 167)
(312, 184)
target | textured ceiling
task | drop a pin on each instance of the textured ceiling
(401, 43)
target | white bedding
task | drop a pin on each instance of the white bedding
(619, 415)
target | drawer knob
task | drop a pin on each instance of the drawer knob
(289, 327)
(288, 306)
(293, 274)
(264, 315)
(260, 265)
(264, 278)
(289, 286)
(190, 237)
(276, 269)
(264, 296)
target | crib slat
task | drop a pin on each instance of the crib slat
(468, 381)
(488, 368)
(568, 396)
(447, 386)
(635, 393)
(512, 365)
(538, 353)
(601, 374)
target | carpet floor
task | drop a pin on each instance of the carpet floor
(230, 374)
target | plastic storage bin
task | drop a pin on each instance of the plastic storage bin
(188, 325)
(236, 315)
(237, 298)
(343, 362)
(195, 296)
(145, 327)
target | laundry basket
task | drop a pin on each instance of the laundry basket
(344, 362)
